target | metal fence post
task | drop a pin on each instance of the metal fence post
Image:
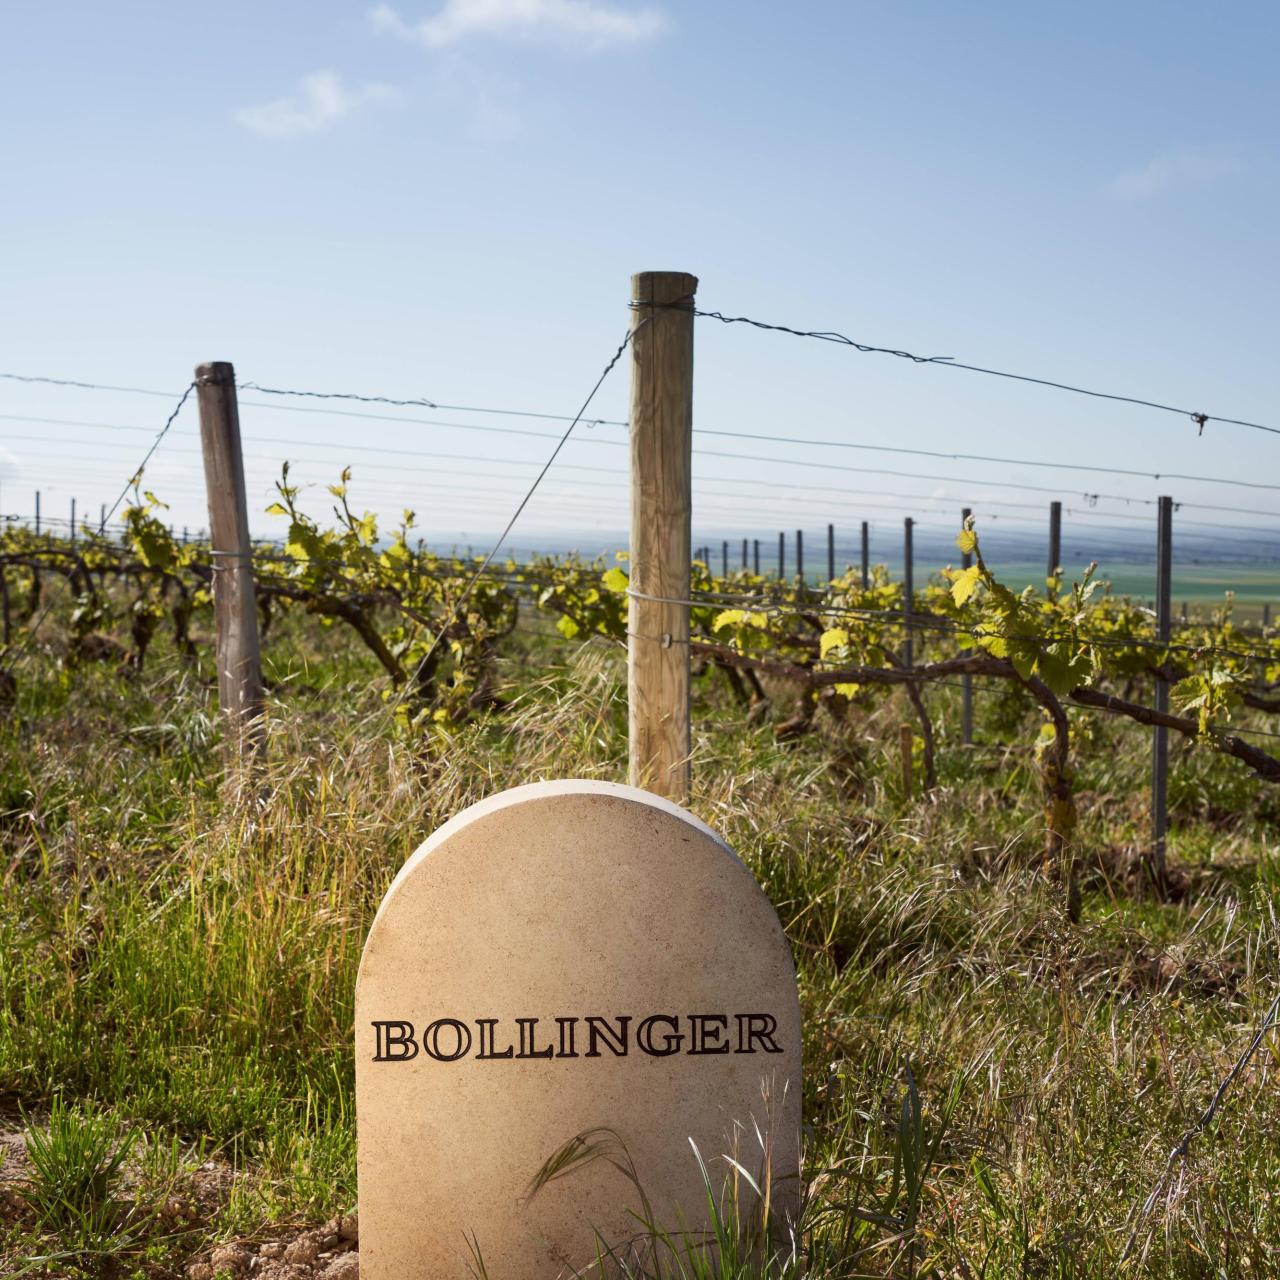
(1160, 735)
(1055, 537)
(908, 587)
(966, 681)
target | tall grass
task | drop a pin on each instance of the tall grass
(990, 1090)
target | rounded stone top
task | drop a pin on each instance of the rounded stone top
(565, 958)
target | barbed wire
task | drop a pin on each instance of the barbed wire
(86, 386)
(1093, 468)
(949, 362)
(334, 395)
(428, 404)
(319, 395)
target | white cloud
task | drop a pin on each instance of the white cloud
(1179, 169)
(583, 22)
(322, 101)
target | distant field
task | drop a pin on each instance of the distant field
(1203, 586)
(1201, 576)
(1199, 586)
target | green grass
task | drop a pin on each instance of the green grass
(990, 1089)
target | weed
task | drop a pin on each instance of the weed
(188, 962)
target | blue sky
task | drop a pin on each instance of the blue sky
(445, 199)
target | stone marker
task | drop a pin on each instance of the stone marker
(561, 958)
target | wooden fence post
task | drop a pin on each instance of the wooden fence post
(240, 692)
(800, 557)
(661, 420)
(724, 558)
(755, 556)
(831, 553)
(1160, 735)
(866, 555)
(745, 565)
(37, 513)
(782, 556)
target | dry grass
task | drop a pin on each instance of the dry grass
(991, 1091)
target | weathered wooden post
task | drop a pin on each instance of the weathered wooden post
(1160, 735)
(37, 513)
(240, 692)
(866, 555)
(755, 556)
(661, 504)
(744, 554)
(831, 553)
(724, 558)
(782, 556)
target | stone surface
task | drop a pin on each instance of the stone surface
(344, 1267)
(303, 1249)
(231, 1257)
(562, 958)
